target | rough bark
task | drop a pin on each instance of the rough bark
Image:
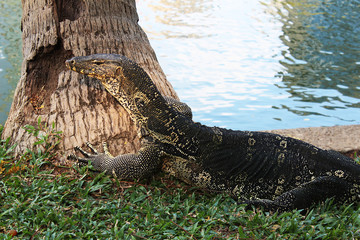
(55, 30)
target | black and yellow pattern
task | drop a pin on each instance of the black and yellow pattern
(262, 169)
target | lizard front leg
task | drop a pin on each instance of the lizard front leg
(142, 164)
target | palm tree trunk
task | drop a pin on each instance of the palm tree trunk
(55, 30)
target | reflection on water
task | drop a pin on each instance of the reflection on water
(260, 64)
(246, 64)
(188, 17)
(323, 39)
(10, 53)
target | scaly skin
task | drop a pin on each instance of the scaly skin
(262, 169)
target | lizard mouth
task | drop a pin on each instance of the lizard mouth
(72, 65)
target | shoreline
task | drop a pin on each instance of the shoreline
(344, 138)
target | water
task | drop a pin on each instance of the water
(249, 65)
(10, 53)
(260, 64)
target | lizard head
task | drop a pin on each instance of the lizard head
(123, 79)
(100, 66)
(135, 91)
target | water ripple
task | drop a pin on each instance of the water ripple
(260, 64)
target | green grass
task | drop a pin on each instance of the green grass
(39, 200)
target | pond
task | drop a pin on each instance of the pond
(246, 64)
(10, 53)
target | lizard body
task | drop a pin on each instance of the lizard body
(261, 169)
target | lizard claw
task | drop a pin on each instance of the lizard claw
(94, 151)
(72, 157)
(83, 152)
(86, 154)
(76, 158)
(106, 150)
(94, 157)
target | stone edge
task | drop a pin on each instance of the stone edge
(343, 139)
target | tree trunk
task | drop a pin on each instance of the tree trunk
(55, 30)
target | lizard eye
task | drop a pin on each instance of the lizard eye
(98, 62)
